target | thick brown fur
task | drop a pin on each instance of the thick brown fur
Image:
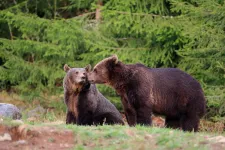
(164, 91)
(85, 104)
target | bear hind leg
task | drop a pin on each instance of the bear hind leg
(108, 119)
(113, 120)
(173, 123)
(190, 123)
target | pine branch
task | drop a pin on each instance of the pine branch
(124, 48)
(17, 6)
(85, 14)
(136, 14)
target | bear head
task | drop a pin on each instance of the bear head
(76, 78)
(101, 72)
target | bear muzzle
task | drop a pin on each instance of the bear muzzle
(89, 78)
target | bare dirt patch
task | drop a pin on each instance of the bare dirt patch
(25, 137)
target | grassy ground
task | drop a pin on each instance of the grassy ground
(123, 137)
(50, 132)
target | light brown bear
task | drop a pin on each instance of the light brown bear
(164, 91)
(85, 104)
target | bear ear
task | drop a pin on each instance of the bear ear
(66, 68)
(88, 68)
(115, 58)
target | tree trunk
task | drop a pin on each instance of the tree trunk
(98, 10)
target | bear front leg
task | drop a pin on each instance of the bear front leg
(144, 114)
(70, 118)
(130, 112)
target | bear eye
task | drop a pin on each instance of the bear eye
(95, 70)
(76, 72)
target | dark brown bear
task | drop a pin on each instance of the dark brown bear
(85, 104)
(164, 91)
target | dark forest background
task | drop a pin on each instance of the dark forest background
(37, 37)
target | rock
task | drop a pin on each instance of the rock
(10, 111)
(148, 137)
(17, 122)
(31, 119)
(36, 112)
(5, 137)
(158, 121)
(217, 139)
(130, 132)
(20, 142)
(64, 145)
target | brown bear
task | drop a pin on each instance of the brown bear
(164, 91)
(85, 104)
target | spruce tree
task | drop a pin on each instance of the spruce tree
(38, 37)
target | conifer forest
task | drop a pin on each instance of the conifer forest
(37, 37)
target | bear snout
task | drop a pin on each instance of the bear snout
(89, 78)
(83, 79)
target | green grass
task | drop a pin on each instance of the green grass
(139, 137)
(124, 137)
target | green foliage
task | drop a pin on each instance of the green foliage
(34, 61)
(215, 103)
(38, 37)
(139, 137)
